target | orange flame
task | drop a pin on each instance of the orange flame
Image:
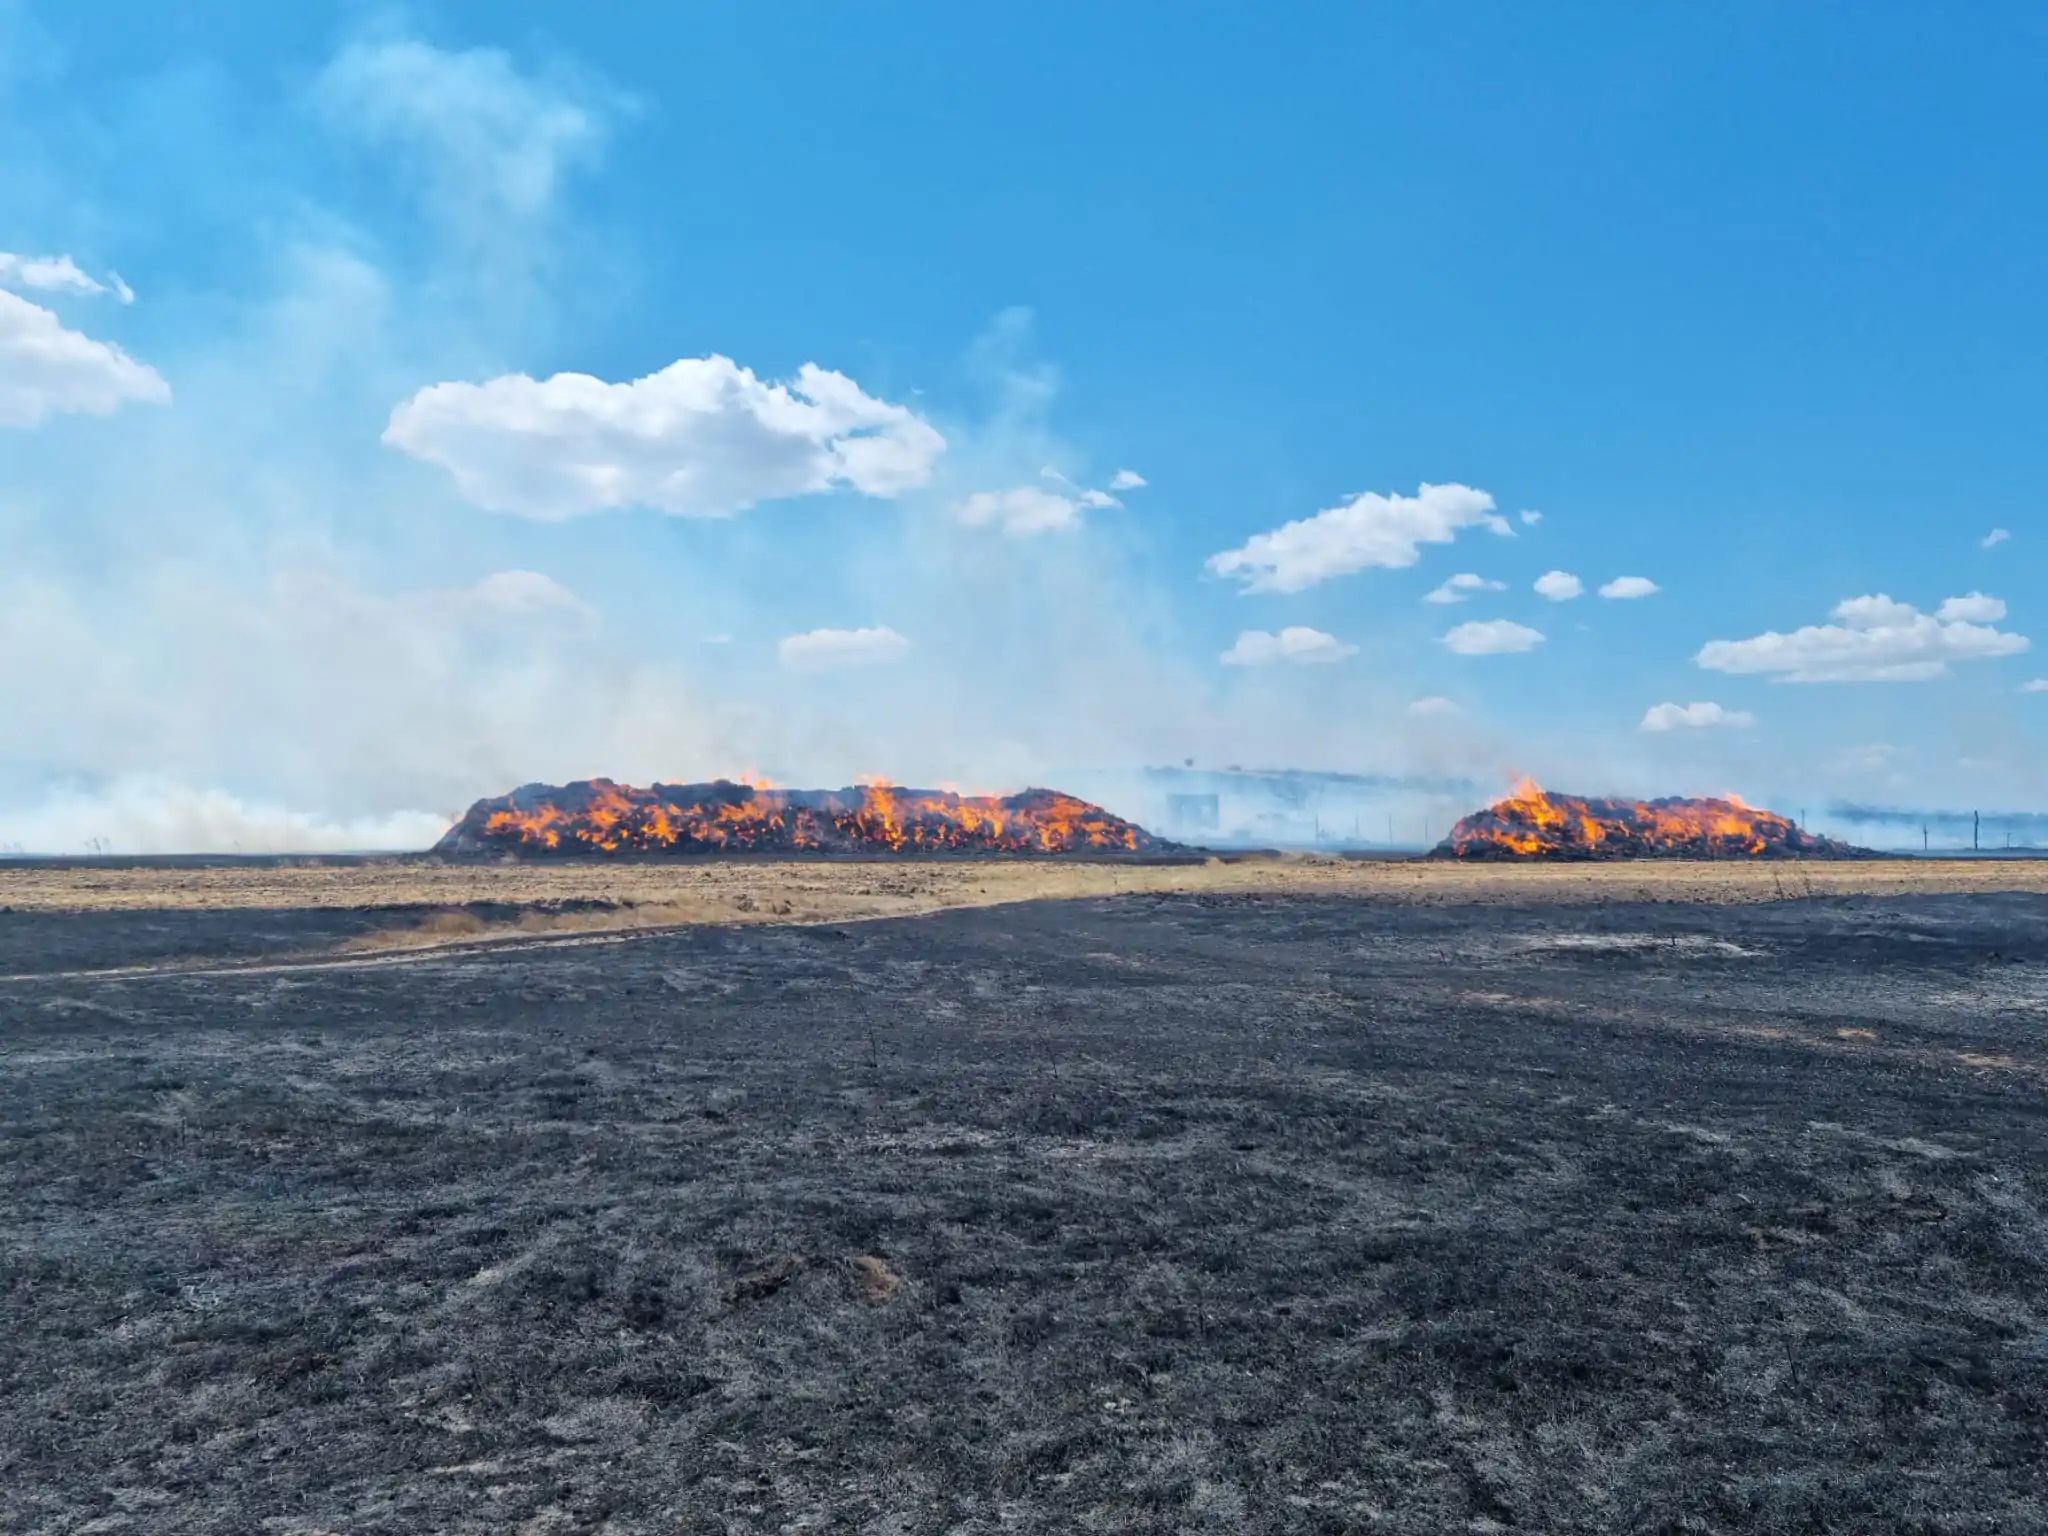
(1533, 824)
(599, 816)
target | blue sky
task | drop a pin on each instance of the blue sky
(313, 541)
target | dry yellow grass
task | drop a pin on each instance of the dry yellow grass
(875, 1279)
(426, 898)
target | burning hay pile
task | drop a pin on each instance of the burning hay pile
(1530, 824)
(596, 816)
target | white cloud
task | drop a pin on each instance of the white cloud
(1629, 586)
(57, 274)
(1559, 586)
(1460, 586)
(1698, 717)
(1975, 608)
(1994, 538)
(486, 139)
(1436, 704)
(1368, 530)
(1296, 643)
(1127, 480)
(47, 369)
(1875, 612)
(1530, 517)
(718, 639)
(702, 438)
(1874, 639)
(823, 649)
(2038, 685)
(1492, 637)
(1026, 510)
(523, 592)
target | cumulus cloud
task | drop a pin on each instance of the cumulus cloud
(1436, 705)
(1994, 538)
(701, 438)
(1296, 643)
(1462, 586)
(1025, 510)
(1030, 509)
(1874, 639)
(1369, 530)
(1531, 517)
(1695, 717)
(1559, 586)
(57, 274)
(1492, 637)
(1975, 608)
(47, 369)
(822, 650)
(2037, 685)
(1630, 586)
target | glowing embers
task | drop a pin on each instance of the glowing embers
(1531, 824)
(596, 816)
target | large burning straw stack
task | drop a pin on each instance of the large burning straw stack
(1531, 824)
(596, 816)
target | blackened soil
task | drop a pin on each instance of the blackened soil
(35, 943)
(1148, 1214)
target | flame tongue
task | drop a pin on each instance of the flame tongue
(598, 816)
(1532, 824)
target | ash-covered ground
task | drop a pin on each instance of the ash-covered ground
(1151, 1213)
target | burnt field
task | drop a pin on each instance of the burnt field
(1169, 1211)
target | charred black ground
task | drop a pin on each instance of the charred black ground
(1159, 1214)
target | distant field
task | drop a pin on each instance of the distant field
(189, 913)
(749, 891)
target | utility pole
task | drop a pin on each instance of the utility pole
(1923, 837)
(1974, 845)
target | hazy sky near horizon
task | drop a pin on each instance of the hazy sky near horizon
(397, 406)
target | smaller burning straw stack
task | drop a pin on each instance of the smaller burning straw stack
(597, 816)
(1531, 824)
